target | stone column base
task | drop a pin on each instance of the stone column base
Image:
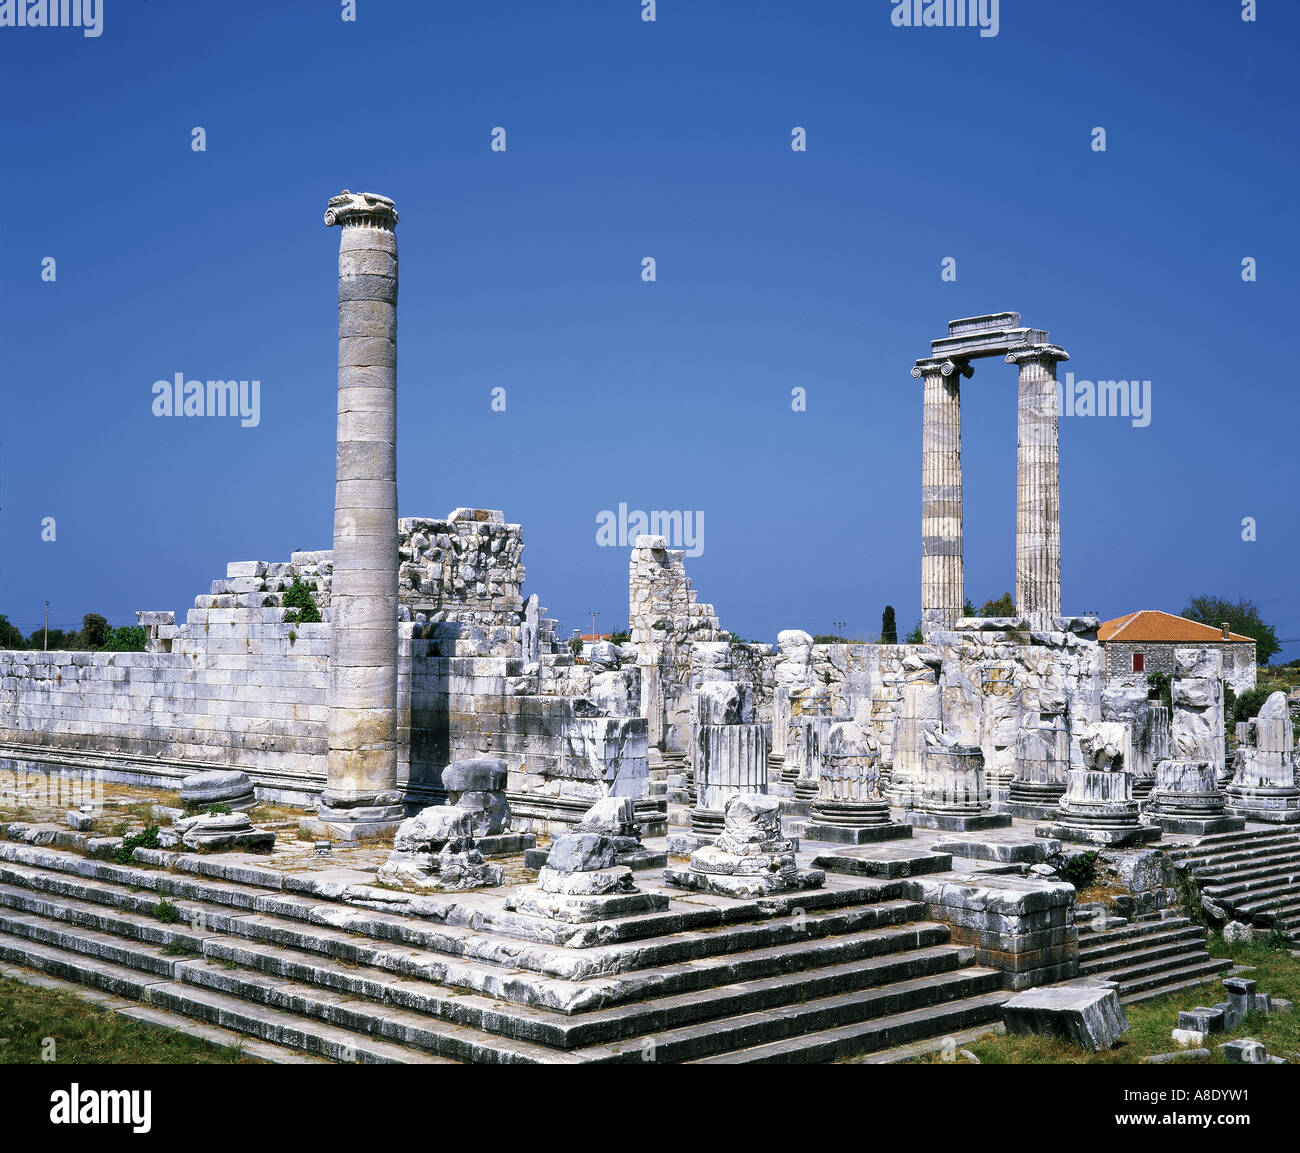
(356, 819)
(856, 835)
(1278, 805)
(957, 822)
(1100, 835)
(1196, 826)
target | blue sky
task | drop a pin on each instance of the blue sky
(775, 270)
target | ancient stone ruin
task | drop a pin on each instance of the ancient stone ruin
(402, 790)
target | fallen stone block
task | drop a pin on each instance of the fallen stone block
(1091, 1017)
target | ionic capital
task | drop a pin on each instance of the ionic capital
(943, 366)
(361, 209)
(1031, 353)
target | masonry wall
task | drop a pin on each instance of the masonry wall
(1238, 661)
(234, 691)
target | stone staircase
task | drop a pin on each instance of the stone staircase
(1253, 875)
(1147, 957)
(846, 970)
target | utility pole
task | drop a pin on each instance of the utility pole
(839, 629)
(45, 644)
(594, 637)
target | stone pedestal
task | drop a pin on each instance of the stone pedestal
(730, 752)
(1263, 787)
(582, 882)
(1198, 724)
(1042, 769)
(1151, 734)
(1098, 809)
(815, 727)
(850, 808)
(750, 858)
(999, 724)
(954, 792)
(922, 712)
(435, 850)
(1187, 799)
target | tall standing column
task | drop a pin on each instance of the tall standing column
(361, 793)
(942, 579)
(1038, 485)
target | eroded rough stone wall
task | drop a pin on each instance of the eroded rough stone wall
(666, 622)
(991, 674)
(237, 685)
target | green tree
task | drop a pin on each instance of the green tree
(914, 637)
(1004, 606)
(94, 631)
(10, 637)
(1242, 616)
(888, 627)
(126, 639)
(58, 640)
(968, 608)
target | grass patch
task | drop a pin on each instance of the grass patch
(85, 1033)
(1150, 1023)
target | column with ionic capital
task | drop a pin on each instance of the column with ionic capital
(1038, 485)
(361, 795)
(942, 579)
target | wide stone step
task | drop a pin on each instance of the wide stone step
(161, 1019)
(700, 927)
(1249, 901)
(361, 1015)
(228, 1013)
(1158, 976)
(924, 995)
(1196, 975)
(444, 956)
(1228, 842)
(872, 1036)
(1201, 855)
(1131, 930)
(1267, 884)
(90, 943)
(251, 941)
(1253, 865)
(1093, 951)
(408, 1023)
(1143, 954)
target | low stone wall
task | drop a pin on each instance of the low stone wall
(234, 691)
(1024, 928)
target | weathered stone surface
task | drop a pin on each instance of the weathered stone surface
(222, 832)
(581, 852)
(220, 786)
(435, 850)
(1087, 1016)
(478, 775)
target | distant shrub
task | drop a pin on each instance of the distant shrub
(125, 639)
(1248, 704)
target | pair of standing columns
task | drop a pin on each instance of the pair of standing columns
(1038, 499)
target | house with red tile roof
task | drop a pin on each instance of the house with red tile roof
(1144, 642)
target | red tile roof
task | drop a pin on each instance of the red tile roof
(1154, 627)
